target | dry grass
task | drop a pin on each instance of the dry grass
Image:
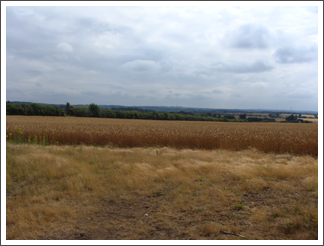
(299, 139)
(83, 192)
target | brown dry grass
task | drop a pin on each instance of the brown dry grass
(83, 192)
(300, 139)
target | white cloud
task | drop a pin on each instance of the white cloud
(141, 66)
(256, 84)
(296, 54)
(65, 47)
(249, 36)
(107, 39)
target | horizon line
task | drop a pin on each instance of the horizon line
(290, 110)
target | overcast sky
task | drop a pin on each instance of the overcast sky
(216, 57)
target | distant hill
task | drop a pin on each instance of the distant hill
(178, 109)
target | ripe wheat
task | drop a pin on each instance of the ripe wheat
(300, 139)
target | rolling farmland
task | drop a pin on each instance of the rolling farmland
(110, 179)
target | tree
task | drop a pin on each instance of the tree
(153, 115)
(291, 117)
(94, 110)
(67, 108)
(80, 111)
(9, 109)
(242, 116)
(229, 116)
(36, 108)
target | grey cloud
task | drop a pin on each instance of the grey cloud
(90, 24)
(65, 47)
(91, 93)
(237, 95)
(296, 54)
(249, 36)
(255, 67)
(301, 94)
(141, 66)
(141, 96)
(101, 50)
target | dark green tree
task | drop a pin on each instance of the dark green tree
(67, 108)
(9, 109)
(94, 110)
(242, 116)
(229, 116)
(291, 117)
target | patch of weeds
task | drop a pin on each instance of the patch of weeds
(228, 188)
(195, 193)
(183, 187)
(233, 216)
(210, 184)
(291, 151)
(274, 215)
(270, 178)
(159, 193)
(267, 168)
(239, 206)
(200, 179)
(159, 152)
(311, 188)
(198, 210)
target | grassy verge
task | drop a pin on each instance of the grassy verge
(80, 192)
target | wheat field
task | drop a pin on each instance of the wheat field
(300, 139)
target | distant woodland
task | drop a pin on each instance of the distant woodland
(93, 110)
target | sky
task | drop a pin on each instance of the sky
(217, 56)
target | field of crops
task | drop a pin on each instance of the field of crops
(300, 139)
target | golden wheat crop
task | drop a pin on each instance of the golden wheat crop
(301, 139)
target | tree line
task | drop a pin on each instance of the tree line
(33, 109)
(94, 111)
